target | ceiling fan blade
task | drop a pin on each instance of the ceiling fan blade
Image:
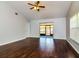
(38, 9)
(42, 6)
(32, 8)
(30, 4)
(37, 2)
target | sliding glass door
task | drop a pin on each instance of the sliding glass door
(46, 30)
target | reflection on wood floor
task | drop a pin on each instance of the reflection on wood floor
(43, 47)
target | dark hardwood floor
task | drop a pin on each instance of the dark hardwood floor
(38, 48)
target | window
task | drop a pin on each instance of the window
(74, 27)
(74, 21)
(78, 19)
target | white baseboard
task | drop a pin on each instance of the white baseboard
(23, 38)
(73, 46)
(53, 37)
(12, 41)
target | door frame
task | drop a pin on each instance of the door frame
(52, 23)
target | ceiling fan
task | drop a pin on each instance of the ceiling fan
(36, 6)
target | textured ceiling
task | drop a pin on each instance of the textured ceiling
(54, 9)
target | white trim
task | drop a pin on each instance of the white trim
(12, 41)
(73, 46)
(22, 39)
(53, 37)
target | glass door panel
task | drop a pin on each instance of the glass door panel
(48, 30)
(42, 29)
(51, 29)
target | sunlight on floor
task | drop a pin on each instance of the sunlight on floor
(45, 42)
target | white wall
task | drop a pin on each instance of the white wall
(74, 40)
(59, 27)
(12, 27)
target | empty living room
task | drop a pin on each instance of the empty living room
(39, 29)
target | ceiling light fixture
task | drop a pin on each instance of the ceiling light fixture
(36, 6)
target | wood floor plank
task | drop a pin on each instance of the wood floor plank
(38, 48)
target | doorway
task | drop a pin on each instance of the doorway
(46, 29)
